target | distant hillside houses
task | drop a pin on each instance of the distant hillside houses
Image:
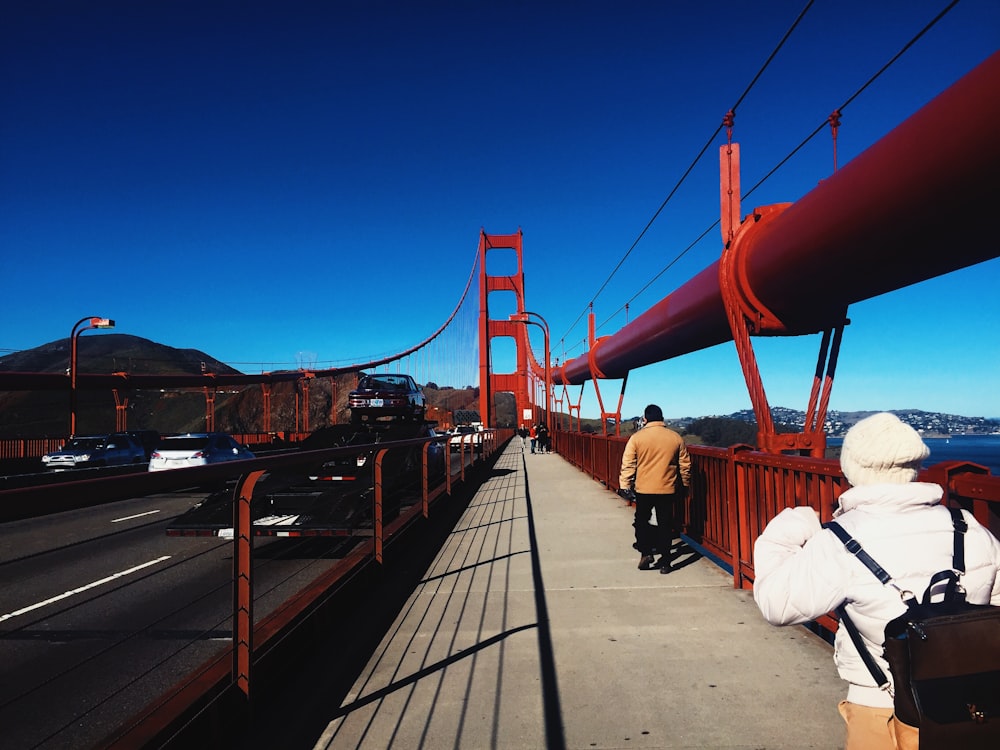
(925, 422)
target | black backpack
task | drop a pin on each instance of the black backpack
(944, 655)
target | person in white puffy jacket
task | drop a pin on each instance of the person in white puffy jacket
(804, 571)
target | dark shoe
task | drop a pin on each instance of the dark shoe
(646, 562)
(664, 566)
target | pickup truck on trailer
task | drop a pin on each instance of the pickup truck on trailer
(334, 498)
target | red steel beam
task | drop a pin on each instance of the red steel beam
(919, 203)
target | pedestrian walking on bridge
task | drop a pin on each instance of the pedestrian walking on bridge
(656, 468)
(543, 438)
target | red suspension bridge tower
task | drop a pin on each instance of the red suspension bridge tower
(514, 382)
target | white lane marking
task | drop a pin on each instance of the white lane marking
(275, 520)
(137, 515)
(80, 590)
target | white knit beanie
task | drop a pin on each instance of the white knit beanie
(882, 449)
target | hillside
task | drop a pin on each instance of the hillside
(113, 352)
(238, 410)
(43, 413)
(927, 423)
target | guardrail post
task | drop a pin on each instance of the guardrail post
(243, 584)
(425, 475)
(738, 511)
(377, 515)
(447, 473)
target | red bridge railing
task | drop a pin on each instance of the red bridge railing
(737, 490)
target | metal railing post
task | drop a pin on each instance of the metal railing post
(377, 525)
(243, 582)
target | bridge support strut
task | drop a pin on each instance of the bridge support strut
(747, 315)
(121, 409)
(596, 375)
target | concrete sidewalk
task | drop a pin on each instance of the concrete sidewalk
(534, 629)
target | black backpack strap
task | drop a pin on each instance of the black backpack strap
(866, 656)
(958, 554)
(855, 548)
(953, 592)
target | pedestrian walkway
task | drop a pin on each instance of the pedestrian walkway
(534, 629)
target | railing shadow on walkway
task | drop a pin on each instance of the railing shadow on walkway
(460, 591)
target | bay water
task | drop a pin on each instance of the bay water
(978, 449)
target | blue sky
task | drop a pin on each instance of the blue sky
(269, 181)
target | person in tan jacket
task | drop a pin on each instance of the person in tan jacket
(656, 467)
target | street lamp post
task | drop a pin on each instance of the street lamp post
(525, 317)
(92, 322)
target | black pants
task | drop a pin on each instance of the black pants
(647, 536)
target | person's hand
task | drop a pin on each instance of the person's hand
(627, 494)
(796, 526)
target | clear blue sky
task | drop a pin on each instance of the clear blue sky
(262, 180)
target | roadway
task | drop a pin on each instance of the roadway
(101, 612)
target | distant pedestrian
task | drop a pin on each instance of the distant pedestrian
(522, 432)
(543, 438)
(656, 467)
(533, 435)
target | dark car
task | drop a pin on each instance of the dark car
(386, 395)
(116, 449)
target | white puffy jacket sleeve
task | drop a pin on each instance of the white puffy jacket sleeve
(795, 580)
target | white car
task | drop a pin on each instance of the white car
(196, 450)
(460, 437)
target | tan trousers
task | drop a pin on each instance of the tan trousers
(876, 729)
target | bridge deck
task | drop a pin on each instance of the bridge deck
(533, 628)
